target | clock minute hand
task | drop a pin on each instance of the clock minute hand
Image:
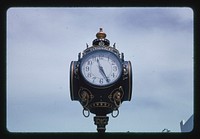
(102, 71)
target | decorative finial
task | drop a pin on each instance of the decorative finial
(114, 45)
(101, 34)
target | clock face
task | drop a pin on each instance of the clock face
(101, 68)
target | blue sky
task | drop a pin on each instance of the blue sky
(41, 43)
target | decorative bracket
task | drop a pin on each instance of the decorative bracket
(85, 96)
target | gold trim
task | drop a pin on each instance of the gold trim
(101, 105)
(85, 95)
(130, 80)
(72, 80)
(101, 34)
(108, 48)
(119, 89)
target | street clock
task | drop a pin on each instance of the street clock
(101, 80)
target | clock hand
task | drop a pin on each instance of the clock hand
(99, 65)
(102, 71)
(104, 75)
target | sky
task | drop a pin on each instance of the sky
(42, 42)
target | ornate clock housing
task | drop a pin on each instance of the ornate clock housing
(101, 80)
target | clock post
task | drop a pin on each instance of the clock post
(101, 80)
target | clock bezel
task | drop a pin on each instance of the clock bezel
(97, 51)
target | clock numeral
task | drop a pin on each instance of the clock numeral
(113, 62)
(89, 63)
(93, 79)
(87, 68)
(113, 74)
(89, 75)
(101, 81)
(94, 58)
(114, 68)
(101, 57)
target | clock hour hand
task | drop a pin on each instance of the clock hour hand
(102, 71)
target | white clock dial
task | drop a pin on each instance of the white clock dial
(101, 68)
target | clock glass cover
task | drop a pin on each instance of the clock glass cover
(101, 68)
